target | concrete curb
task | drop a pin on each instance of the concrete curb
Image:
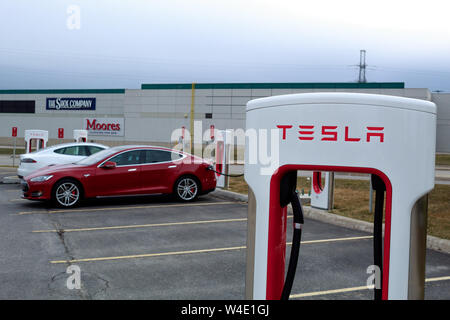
(229, 195)
(433, 243)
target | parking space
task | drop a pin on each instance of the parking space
(156, 248)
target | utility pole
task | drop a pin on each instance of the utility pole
(362, 66)
(191, 127)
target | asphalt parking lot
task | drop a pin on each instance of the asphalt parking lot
(155, 248)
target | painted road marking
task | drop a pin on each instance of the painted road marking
(148, 255)
(171, 253)
(343, 290)
(129, 207)
(143, 225)
(333, 240)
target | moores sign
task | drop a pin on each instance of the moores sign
(104, 126)
(70, 104)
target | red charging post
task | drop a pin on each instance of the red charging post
(60, 133)
(14, 134)
(211, 132)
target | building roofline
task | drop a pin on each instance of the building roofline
(277, 85)
(63, 91)
(246, 85)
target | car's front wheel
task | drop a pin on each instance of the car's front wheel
(67, 193)
(187, 188)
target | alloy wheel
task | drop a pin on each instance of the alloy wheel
(67, 194)
(187, 189)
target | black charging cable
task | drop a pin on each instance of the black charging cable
(379, 187)
(224, 174)
(295, 248)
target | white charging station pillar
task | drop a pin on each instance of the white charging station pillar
(222, 141)
(209, 150)
(391, 137)
(40, 136)
(322, 193)
(80, 135)
(182, 141)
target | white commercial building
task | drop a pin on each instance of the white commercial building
(151, 114)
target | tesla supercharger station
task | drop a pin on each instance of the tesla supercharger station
(209, 151)
(222, 141)
(322, 193)
(182, 140)
(40, 136)
(390, 137)
(80, 135)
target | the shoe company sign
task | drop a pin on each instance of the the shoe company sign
(70, 104)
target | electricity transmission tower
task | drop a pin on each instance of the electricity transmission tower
(362, 66)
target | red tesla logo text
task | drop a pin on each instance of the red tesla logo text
(330, 133)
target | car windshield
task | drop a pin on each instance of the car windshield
(96, 157)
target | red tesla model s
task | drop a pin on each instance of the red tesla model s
(120, 171)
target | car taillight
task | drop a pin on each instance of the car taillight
(28, 160)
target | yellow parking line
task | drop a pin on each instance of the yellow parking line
(325, 292)
(129, 208)
(143, 225)
(149, 255)
(334, 240)
(437, 279)
(193, 251)
(343, 290)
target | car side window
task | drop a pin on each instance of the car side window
(70, 151)
(93, 149)
(83, 151)
(155, 156)
(128, 158)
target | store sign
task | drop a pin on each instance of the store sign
(104, 126)
(70, 104)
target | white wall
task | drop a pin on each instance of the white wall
(442, 100)
(152, 115)
(107, 105)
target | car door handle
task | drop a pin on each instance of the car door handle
(172, 166)
(134, 169)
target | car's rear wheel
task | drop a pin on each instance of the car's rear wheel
(187, 188)
(67, 193)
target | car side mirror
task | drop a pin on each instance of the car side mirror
(109, 165)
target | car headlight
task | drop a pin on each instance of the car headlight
(41, 178)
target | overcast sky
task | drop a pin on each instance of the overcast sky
(122, 44)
